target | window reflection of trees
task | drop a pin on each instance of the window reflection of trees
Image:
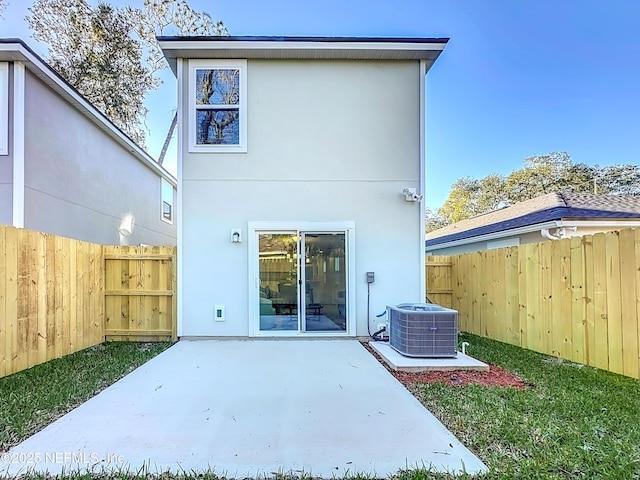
(219, 87)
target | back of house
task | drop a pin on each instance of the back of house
(301, 169)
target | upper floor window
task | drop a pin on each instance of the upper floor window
(217, 106)
(4, 108)
(167, 201)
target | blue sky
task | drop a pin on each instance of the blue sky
(518, 78)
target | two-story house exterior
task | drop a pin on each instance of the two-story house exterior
(301, 176)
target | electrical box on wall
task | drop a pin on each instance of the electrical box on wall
(218, 313)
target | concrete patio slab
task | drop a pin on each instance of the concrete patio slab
(400, 363)
(246, 408)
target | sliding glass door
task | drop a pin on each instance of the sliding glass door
(302, 282)
(325, 283)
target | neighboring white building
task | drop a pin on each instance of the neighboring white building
(301, 168)
(547, 217)
(66, 169)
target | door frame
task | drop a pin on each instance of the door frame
(253, 295)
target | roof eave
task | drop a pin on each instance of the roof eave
(304, 48)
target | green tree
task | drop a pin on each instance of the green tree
(110, 55)
(470, 197)
(553, 172)
(618, 179)
(92, 48)
(434, 220)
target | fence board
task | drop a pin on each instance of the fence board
(565, 299)
(557, 286)
(50, 305)
(600, 328)
(513, 301)
(577, 298)
(628, 301)
(614, 325)
(11, 302)
(3, 305)
(589, 294)
(637, 257)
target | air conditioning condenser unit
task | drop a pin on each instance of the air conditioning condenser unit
(423, 330)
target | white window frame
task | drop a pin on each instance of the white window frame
(194, 65)
(163, 185)
(4, 108)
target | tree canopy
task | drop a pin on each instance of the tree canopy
(553, 172)
(110, 55)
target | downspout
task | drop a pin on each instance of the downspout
(18, 144)
(179, 209)
(560, 229)
(422, 190)
(548, 235)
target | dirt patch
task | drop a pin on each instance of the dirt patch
(495, 377)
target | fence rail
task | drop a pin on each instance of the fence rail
(59, 296)
(576, 298)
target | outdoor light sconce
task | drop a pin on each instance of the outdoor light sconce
(236, 235)
(410, 195)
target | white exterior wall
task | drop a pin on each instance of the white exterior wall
(327, 141)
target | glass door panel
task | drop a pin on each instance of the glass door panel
(325, 282)
(279, 279)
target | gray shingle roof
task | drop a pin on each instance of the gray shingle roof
(552, 206)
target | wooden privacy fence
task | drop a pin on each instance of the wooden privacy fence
(576, 298)
(438, 274)
(51, 297)
(140, 286)
(59, 296)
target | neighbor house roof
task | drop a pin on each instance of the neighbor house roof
(309, 48)
(545, 208)
(16, 50)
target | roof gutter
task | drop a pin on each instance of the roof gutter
(494, 236)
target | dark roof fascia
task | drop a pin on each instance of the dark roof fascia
(556, 213)
(251, 38)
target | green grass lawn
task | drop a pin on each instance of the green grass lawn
(33, 398)
(572, 422)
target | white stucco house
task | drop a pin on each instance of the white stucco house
(301, 168)
(66, 169)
